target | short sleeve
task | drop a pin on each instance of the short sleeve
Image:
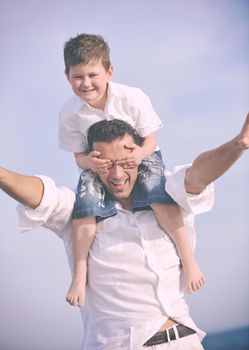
(54, 211)
(146, 119)
(71, 138)
(191, 203)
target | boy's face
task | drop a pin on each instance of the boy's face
(89, 82)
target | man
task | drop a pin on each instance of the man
(134, 295)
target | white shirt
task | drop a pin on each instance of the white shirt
(133, 277)
(126, 103)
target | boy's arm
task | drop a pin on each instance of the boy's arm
(27, 190)
(210, 165)
(148, 146)
(91, 161)
(82, 160)
(138, 153)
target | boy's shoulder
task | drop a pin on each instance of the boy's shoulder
(71, 106)
(123, 90)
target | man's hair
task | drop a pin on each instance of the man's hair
(110, 130)
(84, 48)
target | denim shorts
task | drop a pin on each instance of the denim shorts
(93, 200)
(150, 184)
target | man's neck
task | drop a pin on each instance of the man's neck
(126, 204)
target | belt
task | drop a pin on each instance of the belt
(175, 332)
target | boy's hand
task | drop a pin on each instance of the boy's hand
(97, 165)
(134, 159)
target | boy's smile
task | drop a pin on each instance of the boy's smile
(90, 82)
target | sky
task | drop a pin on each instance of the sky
(192, 59)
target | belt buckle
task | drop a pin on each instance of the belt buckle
(167, 335)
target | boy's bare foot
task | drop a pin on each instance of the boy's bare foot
(194, 278)
(76, 293)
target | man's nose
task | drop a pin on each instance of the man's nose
(117, 171)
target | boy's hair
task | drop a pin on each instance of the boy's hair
(84, 48)
(110, 130)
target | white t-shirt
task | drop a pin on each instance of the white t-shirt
(123, 102)
(133, 267)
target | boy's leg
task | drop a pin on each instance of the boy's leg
(150, 191)
(91, 202)
(170, 219)
(83, 231)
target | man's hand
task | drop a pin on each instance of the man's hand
(135, 158)
(243, 137)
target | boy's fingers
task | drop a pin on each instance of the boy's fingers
(129, 166)
(124, 160)
(131, 146)
(121, 161)
(94, 153)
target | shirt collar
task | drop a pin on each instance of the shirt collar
(111, 91)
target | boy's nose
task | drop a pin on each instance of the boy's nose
(85, 81)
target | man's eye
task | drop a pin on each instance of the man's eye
(111, 165)
(93, 75)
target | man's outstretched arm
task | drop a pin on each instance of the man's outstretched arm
(27, 190)
(210, 165)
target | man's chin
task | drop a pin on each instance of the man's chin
(120, 194)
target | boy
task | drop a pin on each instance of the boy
(89, 71)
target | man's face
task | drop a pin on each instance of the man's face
(89, 82)
(118, 181)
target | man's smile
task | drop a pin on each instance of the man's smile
(119, 185)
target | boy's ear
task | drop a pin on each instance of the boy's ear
(66, 74)
(110, 71)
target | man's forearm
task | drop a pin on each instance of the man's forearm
(210, 165)
(27, 190)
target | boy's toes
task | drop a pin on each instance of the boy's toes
(75, 301)
(68, 298)
(189, 288)
(80, 301)
(71, 300)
